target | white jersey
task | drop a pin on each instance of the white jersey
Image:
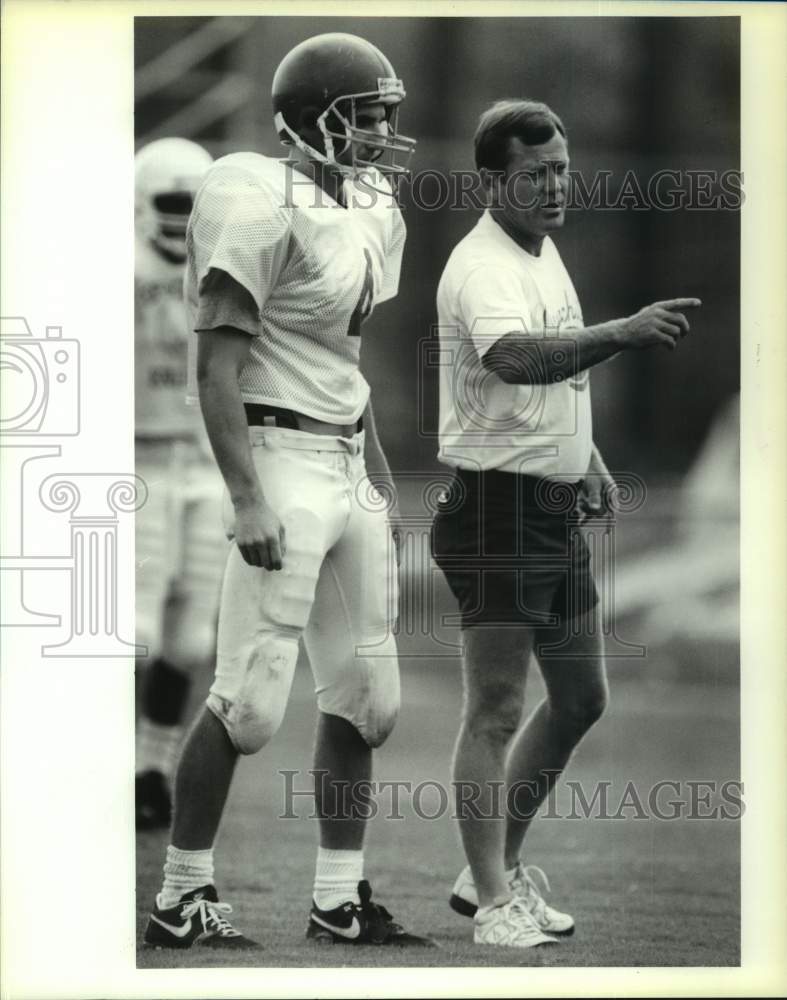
(491, 287)
(160, 348)
(313, 268)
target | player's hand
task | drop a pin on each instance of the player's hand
(662, 323)
(259, 535)
(597, 495)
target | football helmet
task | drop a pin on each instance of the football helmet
(167, 173)
(319, 87)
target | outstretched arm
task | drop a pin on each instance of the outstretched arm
(522, 360)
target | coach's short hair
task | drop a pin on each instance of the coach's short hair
(532, 122)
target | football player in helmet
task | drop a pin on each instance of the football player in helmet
(336, 98)
(180, 550)
(284, 263)
(167, 173)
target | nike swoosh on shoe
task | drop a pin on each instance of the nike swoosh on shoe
(179, 932)
(351, 932)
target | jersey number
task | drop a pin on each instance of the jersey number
(364, 306)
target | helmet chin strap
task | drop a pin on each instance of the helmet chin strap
(310, 151)
(358, 171)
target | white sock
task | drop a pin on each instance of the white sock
(184, 871)
(336, 877)
(483, 911)
(157, 747)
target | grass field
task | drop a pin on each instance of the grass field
(644, 892)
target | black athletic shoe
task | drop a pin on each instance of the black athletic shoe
(153, 801)
(367, 923)
(197, 918)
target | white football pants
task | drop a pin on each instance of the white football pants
(337, 589)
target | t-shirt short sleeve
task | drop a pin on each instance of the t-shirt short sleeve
(238, 226)
(393, 256)
(491, 303)
(224, 302)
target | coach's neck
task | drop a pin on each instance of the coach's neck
(529, 241)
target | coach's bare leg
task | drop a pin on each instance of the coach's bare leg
(495, 670)
(342, 752)
(576, 686)
(202, 782)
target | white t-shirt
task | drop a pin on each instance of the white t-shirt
(313, 268)
(160, 348)
(491, 287)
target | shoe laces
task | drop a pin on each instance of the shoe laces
(519, 914)
(379, 921)
(211, 915)
(524, 884)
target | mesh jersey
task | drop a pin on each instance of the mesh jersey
(313, 268)
(160, 348)
(491, 287)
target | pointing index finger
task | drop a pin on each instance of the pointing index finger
(681, 303)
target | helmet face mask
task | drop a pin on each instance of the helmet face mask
(319, 91)
(167, 175)
(172, 215)
(391, 152)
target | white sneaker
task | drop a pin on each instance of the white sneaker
(510, 925)
(464, 899)
(549, 919)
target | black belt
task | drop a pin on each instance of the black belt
(260, 414)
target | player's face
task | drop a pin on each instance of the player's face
(370, 118)
(534, 193)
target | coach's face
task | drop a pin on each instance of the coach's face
(532, 197)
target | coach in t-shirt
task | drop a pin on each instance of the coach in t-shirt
(516, 425)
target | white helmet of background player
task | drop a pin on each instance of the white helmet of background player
(317, 91)
(167, 173)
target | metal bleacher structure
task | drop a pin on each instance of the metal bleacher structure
(199, 84)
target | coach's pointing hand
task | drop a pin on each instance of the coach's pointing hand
(259, 535)
(660, 323)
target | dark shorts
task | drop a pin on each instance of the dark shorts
(512, 551)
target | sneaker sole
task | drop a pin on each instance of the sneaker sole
(216, 943)
(322, 936)
(461, 906)
(160, 946)
(157, 946)
(498, 944)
